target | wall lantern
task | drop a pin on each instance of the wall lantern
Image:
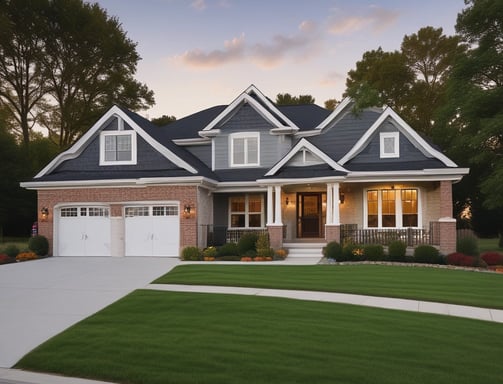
(341, 197)
(187, 210)
(45, 213)
(287, 201)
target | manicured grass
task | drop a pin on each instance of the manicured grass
(487, 245)
(187, 338)
(420, 283)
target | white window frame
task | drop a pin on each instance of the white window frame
(245, 136)
(130, 133)
(396, 139)
(247, 212)
(398, 208)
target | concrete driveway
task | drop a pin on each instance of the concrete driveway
(39, 299)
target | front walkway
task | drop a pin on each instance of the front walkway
(486, 314)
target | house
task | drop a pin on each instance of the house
(302, 173)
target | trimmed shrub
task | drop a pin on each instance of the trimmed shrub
(468, 246)
(397, 250)
(210, 252)
(352, 252)
(333, 250)
(39, 245)
(228, 249)
(191, 254)
(460, 259)
(247, 243)
(374, 252)
(427, 254)
(11, 251)
(263, 246)
(492, 258)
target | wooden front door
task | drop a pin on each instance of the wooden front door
(309, 214)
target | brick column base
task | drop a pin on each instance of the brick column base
(333, 233)
(447, 235)
(275, 236)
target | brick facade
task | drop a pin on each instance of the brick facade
(117, 198)
(275, 236)
(333, 233)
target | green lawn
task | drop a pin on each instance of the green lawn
(429, 284)
(186, 338)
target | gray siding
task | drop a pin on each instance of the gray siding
(272, 147)
(202, 152)
(147, 159)
(371, 153)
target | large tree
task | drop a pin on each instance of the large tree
(472, 119)
(412, 80)
(22, 87)
(65, 62)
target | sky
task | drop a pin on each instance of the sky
(200, 53)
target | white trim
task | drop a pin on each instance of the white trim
(246, 97)
(335, 113)
(303, 143)
(76, 149)
(402, 127)
(396, 144)
(398, 207)
(191, 142)
(245, 136)
(134, 148)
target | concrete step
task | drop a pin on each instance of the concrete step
(304, 249)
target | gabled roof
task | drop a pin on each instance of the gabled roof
(169, 150)
(404, 128)
(260, 103)
(301, 145)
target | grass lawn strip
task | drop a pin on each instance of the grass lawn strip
(165, 337)
(415, 283)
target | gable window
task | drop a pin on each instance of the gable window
(245, 149)
(117, 148)
(392, 208)
(246, 211)
(389, 144)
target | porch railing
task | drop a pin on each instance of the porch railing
(220, 234)
(411, 236)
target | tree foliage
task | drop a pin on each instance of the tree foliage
(472, 119)
(163, 120)
(287, 99)
(63, 63)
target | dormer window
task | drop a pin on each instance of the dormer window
(390, 144)
(245, 149)
(118, 148)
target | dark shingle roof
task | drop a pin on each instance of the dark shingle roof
(307, 116)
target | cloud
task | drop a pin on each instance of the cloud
(199, 5)
(332, 79)
(234, 50)
(377, 19)
(301, 45)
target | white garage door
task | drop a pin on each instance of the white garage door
(84, 231)
(152, 230)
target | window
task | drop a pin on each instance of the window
(246, 211)
(409, 207)
(136, 211)
(390, 144)
(392, 208)
(244, 149)
(169, 210)
(118, 148)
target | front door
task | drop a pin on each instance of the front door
(309, 214)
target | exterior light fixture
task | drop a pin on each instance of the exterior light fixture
(187, 210)
(287, 201)
(341, 197)
(45, 213)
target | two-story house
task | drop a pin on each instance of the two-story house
(301, 172)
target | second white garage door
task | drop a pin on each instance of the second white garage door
(152, 230)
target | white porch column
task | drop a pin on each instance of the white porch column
(330, 202)
(277, 205)
(270, 206)
(336, 219)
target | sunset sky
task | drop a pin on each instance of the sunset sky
(201, 53)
